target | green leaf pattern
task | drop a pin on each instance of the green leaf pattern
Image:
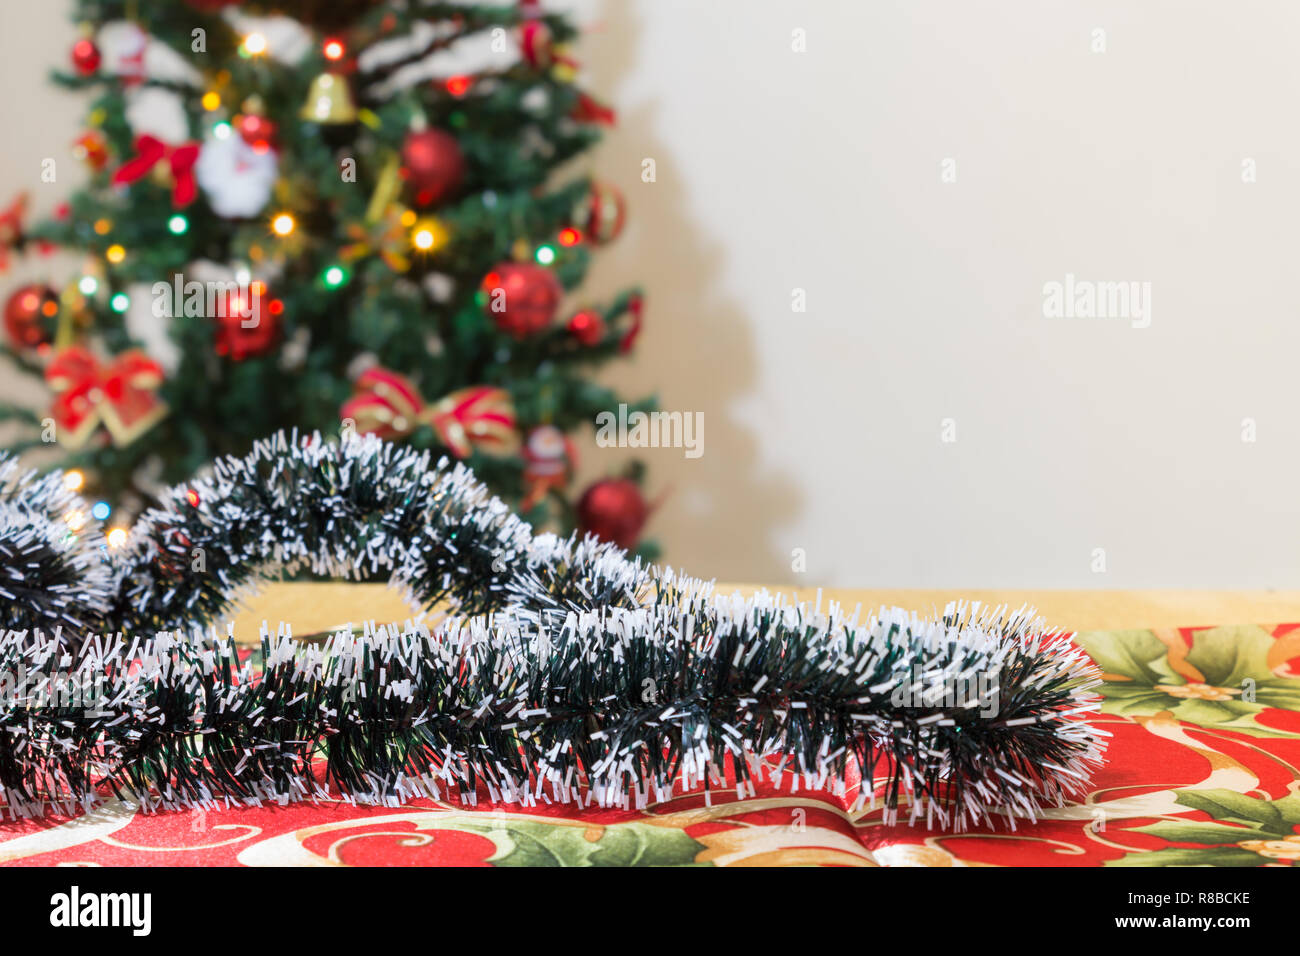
(1243, 831)
(524, 842)
(1233, 661)
(1238, 685)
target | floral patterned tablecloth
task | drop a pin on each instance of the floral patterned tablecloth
(1203, 769)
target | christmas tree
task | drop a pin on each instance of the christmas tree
(334, 215)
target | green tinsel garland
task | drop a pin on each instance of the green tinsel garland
(568, 671)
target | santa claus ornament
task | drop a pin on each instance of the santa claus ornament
(236, 178)
(548, 461)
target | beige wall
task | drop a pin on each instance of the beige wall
(39, 122)
(821, 170)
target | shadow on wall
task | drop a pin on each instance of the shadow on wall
(720, 514)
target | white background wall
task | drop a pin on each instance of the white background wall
(821, 170)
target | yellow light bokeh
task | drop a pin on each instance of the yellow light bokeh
(117, 537)
(211, 100)
(255, 43)
(73, 480)
(115, 253)
(282, 224)
(429, 235)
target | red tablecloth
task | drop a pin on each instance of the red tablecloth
(1204, 768)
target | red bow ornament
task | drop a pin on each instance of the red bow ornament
(590, 110)
(636, 307)
(119, 394)
(149, 152)
(387, 239)
(478, 418)
(540, 51)
(383, 403)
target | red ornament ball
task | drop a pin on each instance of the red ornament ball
(587, 326)
(601, 214)
(257, 131)
(248, 329)
(92, 149)
(433, 164)
(613, 510)
(29, 316)
(85, 56)
(522, 297)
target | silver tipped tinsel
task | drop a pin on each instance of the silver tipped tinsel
(568, 671)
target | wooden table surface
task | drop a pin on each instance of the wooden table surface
(311, 608)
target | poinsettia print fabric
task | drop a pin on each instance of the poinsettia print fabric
(1203, 769)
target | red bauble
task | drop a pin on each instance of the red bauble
(433, 164)
(243, 331)
(613, 510)
(257, 131)
(587, 326)
(29, 316)
(522, 297)
(85, 56)
(92, 149)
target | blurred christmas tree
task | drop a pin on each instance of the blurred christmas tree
(327, 214)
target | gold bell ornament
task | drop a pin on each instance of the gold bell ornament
(329, 101)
